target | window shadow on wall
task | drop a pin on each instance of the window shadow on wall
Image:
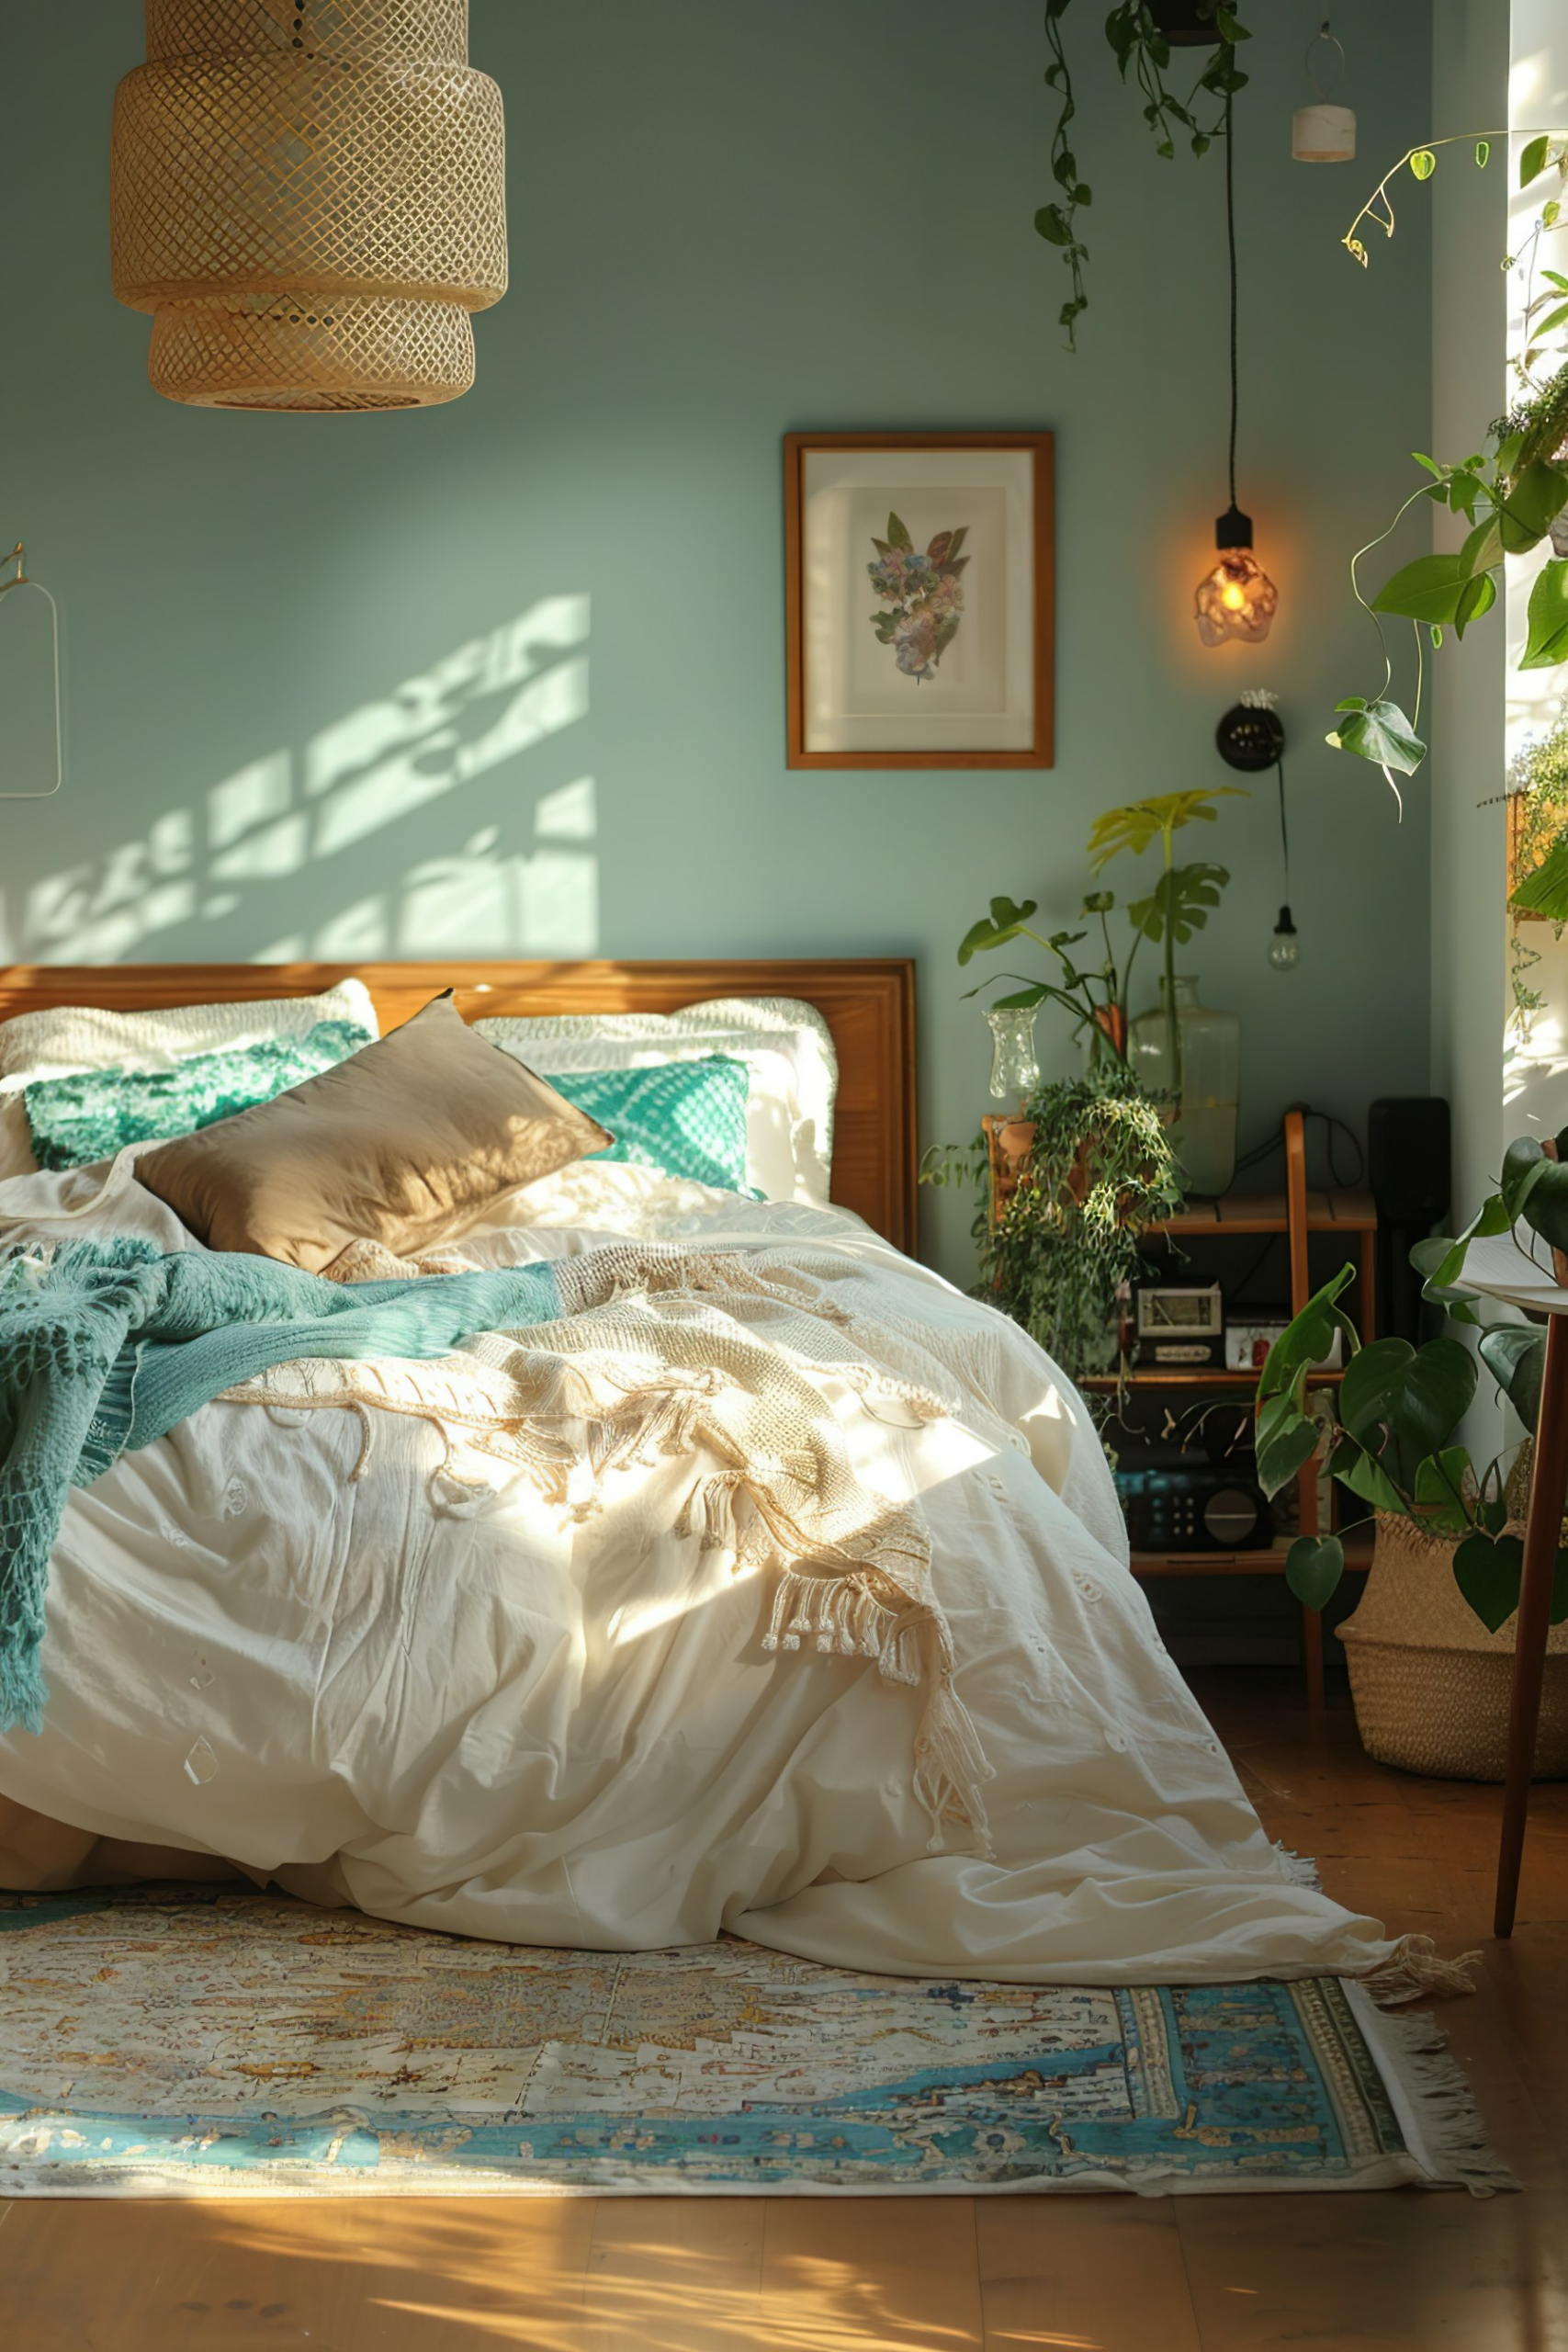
(339, 849)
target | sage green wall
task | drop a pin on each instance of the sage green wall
(507, 676)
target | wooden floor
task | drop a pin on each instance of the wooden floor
(1401, 2271)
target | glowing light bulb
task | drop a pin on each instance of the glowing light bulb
(1237, 599)
(1285, 947)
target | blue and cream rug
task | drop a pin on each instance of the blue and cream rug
(222, 2043)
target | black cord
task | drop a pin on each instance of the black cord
(1230, 238)
(1284, 827)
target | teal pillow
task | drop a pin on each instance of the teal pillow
(90, 1116)
(686, 1118)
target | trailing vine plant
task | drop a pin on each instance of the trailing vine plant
(1512, 495)
(1100, 1171)
(1142, 50)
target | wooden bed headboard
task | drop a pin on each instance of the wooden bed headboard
(869, 1005)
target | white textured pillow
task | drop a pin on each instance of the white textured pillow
(59, 1040)
(787, 1048)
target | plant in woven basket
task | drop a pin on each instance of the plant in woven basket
(1395, 1445)
(1100, 1171)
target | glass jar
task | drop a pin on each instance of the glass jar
(1198, 1073)
(1015, 1070)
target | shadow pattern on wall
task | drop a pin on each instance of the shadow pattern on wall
(313, 825)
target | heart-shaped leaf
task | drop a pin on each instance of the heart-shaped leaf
(1440, 1483)
(1286, 1441)
(1435, 1395)
(1430, 589)
(1545, 891)
(1378, 731)
(1487, 1569)
(1357, 1469)
(1546, 641)
(1313, 1567)
(1370, 1380)
(1514, 1354)
(1531, 504)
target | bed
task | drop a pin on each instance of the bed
(826, 1637)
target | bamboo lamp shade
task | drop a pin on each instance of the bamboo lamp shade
(309, 198)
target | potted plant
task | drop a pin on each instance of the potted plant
(1089, 1162)
(1429, 1648)
(1097, 1170)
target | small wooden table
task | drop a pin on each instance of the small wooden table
(1349, 1218)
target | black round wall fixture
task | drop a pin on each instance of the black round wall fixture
(1250, 737)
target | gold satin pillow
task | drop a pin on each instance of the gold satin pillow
(405, 1143)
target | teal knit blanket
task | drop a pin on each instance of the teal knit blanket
(104, 1345)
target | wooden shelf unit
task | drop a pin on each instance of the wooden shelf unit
(1303, 1216)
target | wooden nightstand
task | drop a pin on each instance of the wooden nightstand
(1305, 1216)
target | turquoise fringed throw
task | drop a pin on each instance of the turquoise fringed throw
(95, 1112)
(685, 1118)
(106, 1345)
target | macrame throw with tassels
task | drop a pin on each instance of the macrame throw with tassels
(648, 1361)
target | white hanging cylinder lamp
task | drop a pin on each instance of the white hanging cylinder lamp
(309, 198)
(1323, 132)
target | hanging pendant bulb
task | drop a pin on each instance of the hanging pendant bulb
(1285, 947)
(1237, 599)
(1321, 133)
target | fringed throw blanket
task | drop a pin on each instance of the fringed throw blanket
(106, 1345)
(650, 1359)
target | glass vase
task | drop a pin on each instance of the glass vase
(1197, 1072)
(1015, 1070)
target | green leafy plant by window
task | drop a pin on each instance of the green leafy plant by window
(1511, 496)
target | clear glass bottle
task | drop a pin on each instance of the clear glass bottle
(1198, 1071)
(1015, 1068)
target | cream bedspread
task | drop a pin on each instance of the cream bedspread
(451, 1700)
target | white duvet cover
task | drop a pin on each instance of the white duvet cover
(466, 1709)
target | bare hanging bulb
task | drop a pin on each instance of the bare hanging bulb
(1285, 947)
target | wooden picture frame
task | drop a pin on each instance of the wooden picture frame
(1012, 637)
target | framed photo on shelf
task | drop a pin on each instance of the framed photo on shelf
(920, 599)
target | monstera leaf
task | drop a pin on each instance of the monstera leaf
(1133, 827)
(1179, 902)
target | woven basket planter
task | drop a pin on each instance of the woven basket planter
(1430, 1684)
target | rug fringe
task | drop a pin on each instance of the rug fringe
(1414, 1968)
(1450, 2133)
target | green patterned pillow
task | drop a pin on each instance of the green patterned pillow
(686, 1118)
(93, 1114)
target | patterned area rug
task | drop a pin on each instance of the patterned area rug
(167, 2041)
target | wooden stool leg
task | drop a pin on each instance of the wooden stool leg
(1312, 1657)
(1543, 1523)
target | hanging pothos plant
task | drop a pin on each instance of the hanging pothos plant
(1100, 1171)
(1141, 37)
(1512, 495)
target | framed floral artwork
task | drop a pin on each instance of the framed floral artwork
(919, 576)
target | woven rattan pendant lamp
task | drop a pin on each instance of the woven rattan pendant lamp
(309, 198)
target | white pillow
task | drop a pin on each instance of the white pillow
(793, 1071)
(59, 1040)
